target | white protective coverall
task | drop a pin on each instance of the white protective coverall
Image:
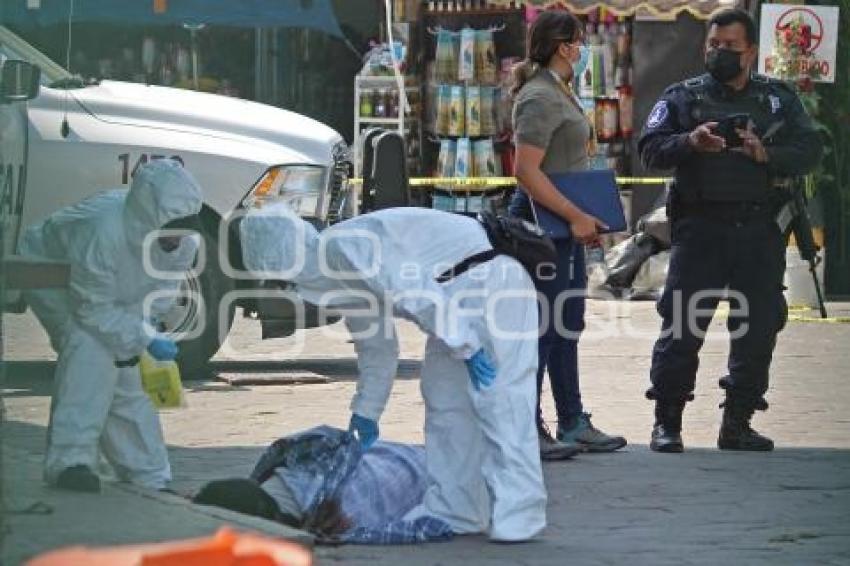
(101, 320)
(481, 445)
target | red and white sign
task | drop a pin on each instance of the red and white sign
(813, 29)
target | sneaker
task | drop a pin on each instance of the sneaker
(588, 437)
(552, 449)
(78, 478)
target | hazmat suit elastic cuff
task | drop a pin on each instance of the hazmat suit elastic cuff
(466, 351)
(462, 341)
(365, 409)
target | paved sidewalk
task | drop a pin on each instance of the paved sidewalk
(39, 518)
(791, 506)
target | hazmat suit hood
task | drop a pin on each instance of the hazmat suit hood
(278, 245)
(161, 191)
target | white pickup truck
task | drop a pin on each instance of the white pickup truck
(72, 139)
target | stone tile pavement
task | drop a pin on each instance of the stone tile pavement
(635, 507)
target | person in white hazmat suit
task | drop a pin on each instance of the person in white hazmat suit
(99, 326)
(479, 368)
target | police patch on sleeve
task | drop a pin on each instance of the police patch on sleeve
(658, 114)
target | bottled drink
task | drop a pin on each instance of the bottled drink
(366, 104)
(380, 104)
(391, 103)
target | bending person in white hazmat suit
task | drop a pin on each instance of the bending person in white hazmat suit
(478, 373)
(99, 326)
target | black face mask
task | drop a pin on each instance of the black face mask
(723, 64)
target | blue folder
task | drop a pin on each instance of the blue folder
(594, 191)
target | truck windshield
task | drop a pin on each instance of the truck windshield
(13, 47)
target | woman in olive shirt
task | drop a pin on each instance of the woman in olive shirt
(552, 135)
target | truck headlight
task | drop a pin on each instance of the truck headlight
(302, 187)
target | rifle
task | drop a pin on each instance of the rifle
(793, 217)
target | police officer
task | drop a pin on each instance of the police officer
(725, 239)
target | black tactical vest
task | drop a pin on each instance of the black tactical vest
(727, 176)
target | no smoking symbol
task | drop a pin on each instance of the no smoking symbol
(809, 18)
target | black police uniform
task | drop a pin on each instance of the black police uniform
(722, 207)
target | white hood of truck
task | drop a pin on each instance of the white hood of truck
(210, 115)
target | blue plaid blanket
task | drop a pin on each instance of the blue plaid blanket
(375, 489)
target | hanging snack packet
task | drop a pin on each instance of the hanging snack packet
(463, 159)
(486, 64)
(456, 112)
(488, 111)
(446, 161)
(444, 99)
(473, 111)
(485, 158)
(446, 61)
(466, 67)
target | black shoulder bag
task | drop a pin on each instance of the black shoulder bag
(520, 239)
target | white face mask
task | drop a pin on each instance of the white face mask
(583, 58)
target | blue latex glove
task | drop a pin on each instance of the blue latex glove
(163, 349)
(482, 370)
(366, 429)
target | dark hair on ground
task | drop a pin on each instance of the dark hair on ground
(735, 16)
(547, 33)
(243, 496)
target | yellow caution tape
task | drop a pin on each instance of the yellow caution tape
(723, 312)
(808, 318)
(828, 320)
(644, 180)
(462, 181)
(503, 181)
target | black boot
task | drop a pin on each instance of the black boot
(78, 478)
(667, 432)
(735, 431)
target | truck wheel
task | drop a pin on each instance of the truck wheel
(212, 286)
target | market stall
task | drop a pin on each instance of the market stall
(462, 126)
(459, 54)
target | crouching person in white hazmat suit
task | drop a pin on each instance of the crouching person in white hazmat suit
(99, 326)
(478, 373)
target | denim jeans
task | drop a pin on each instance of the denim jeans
(562, 321)
(558, 345)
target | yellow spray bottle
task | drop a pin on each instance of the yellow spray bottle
(161, 382)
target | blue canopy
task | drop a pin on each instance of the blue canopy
(312, 14)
